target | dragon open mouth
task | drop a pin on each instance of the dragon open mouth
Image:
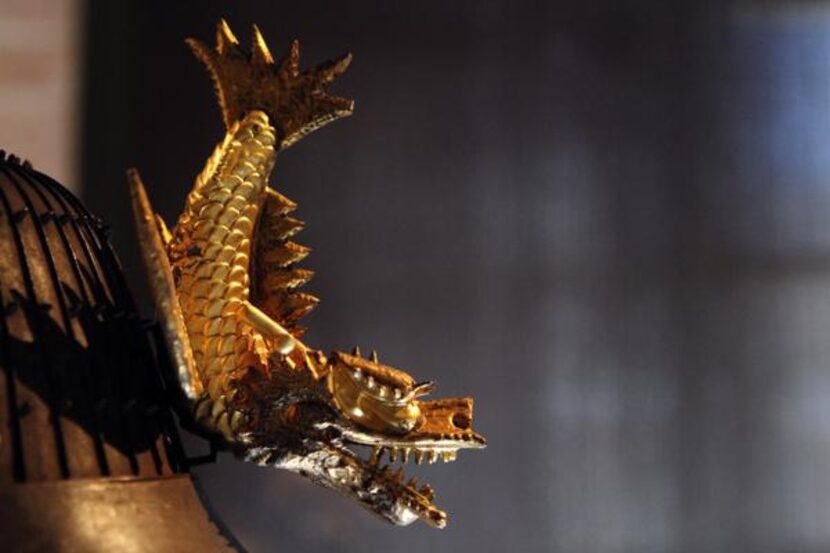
(413, 501)
(436, 438)
(381, 410)
(397, 498)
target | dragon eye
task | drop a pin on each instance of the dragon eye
(461, 421)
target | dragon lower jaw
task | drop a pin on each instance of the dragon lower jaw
(375, 487)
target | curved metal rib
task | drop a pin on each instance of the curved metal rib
(157, 267)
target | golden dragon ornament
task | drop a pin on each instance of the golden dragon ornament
(226, 285)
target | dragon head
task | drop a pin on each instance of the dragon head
(355, 404)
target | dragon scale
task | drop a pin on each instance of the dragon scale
(210, 253)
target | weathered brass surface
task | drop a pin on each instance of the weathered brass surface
(134, 515)
(226, 285)
(90, 458)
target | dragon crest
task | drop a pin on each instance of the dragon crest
(296, 101)
(225, 281)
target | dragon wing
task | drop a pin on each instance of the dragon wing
(157, 266)
(274, 272)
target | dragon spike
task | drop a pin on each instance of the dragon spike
(333, 69)
(225, 39)
(260, 52)
(374, 357)
(296, 102)
(356, 351)
(290, 64)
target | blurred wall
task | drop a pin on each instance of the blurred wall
(40, 77)
(606, 222)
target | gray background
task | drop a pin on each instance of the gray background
(606, 220)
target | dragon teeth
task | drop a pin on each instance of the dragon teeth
(406, 453)
(357, 374)
(377, 453)
(383, 391)
(397, 393)
(370, 382)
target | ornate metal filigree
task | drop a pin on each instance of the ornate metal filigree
(226, 286)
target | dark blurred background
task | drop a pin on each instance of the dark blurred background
(607, 221)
